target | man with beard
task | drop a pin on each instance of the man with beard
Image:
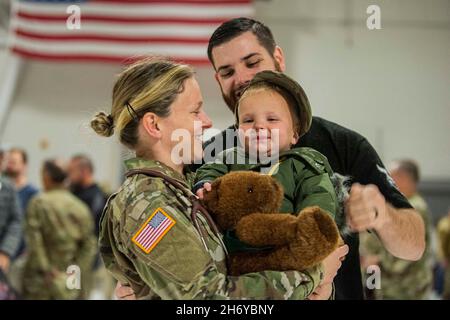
(83, 186)
(16, 171)
(10, 224)
(242, 47)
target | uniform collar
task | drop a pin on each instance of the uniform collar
(140, 163)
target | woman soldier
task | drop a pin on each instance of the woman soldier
(153, 237)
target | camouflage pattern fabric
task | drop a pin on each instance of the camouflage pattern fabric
(443, 230)
(402, 279)
(59, 231)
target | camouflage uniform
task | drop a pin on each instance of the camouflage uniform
(59, 231)
(186, 263)
(402, 279)
(443, 230)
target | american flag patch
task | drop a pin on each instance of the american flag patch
(153, 230)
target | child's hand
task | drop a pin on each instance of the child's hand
(200, 192)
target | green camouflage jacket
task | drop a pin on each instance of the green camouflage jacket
(59, 231)
(304, 174)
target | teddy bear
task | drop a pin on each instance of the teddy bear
(246, 204)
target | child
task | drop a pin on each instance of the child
(272, 114)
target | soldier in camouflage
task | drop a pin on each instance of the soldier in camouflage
(401, 279)
(151, 236)
(443, 231)
(59, 231)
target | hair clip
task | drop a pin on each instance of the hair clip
(131, 111)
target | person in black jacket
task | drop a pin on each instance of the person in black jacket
(10, 224)
(83, 186)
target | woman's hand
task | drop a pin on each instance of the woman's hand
(124, 292)
(4, 262)
(323, 292)
(332, 263)
(200, 192)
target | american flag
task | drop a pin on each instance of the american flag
(153, 230)
(116, 31)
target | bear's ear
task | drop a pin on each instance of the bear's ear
(216, 183)
(211, 198)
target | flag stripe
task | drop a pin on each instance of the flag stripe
(153, 230)
(143, 233)
(148, 233)
(113, 29)
(156, 233)
(94, 37)
(118, 31)
(95, 58)
(81, 47)
(137, 20)
(49, 9)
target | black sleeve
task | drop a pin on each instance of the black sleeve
(367, 168)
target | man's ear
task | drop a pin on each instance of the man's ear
(278, 55)
(216, 76)
(295, 138)
(150, 124)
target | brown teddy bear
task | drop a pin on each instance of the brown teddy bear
(247, 203)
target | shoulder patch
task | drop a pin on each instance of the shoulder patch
(153, 230)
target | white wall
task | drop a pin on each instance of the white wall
(51, 112)
(391, 85)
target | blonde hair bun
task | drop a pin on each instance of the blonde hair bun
(103, 124)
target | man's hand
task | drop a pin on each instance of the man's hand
(124, 292)
(366, 208)
(332, 263)
(4, 262)
(200, 192)
(322, 292)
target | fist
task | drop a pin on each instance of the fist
(365, 208)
